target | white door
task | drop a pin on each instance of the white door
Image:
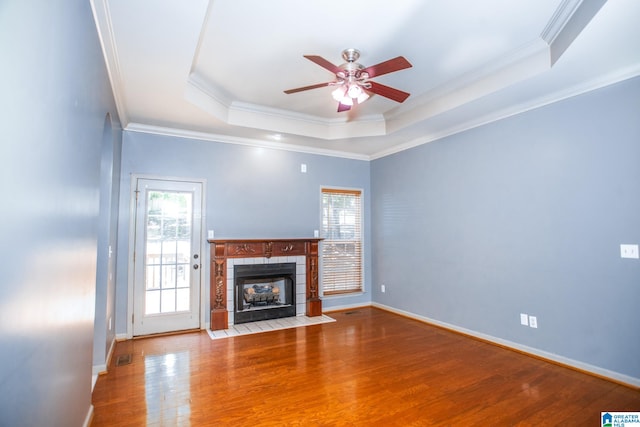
(167, 256)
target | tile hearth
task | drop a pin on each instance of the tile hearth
(269, 325)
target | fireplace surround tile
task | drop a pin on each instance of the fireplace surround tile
(300, 287)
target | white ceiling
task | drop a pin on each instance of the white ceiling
(217, 69)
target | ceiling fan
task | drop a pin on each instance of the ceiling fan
(352, 79)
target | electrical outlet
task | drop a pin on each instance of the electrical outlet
(533, 321)
(629, 251)
(383, 289)
(110, 326)
(303, 168)
(210, 234)
(524, 319)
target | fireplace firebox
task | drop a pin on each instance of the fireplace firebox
(264, 291)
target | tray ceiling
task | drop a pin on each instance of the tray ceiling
(217, 69)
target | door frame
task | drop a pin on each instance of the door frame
(203, 270)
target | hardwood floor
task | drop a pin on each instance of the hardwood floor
(370, 367)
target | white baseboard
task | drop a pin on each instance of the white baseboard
(88, 418)
(102, 368)
(346, 307)
(112, 347)
(576, 364)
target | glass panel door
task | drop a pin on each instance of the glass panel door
(167, 262)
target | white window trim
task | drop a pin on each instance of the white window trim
(363, 288)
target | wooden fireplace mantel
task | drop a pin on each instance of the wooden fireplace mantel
(222, 249)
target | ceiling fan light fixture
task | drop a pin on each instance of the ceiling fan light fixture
(362, 97)
(346, 101)
(350, 94)
(354, 91)
(339, 93)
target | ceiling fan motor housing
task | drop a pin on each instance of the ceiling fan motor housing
(351, 55)
(351, 70)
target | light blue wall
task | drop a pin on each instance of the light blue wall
(54, 98)
(524, 215)
(104, 325)
(250, 193)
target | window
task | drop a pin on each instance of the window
(342, 244)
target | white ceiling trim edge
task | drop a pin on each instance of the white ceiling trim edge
(102, 18)
(571, 17)
(204, 96)
(534, 58)
(521, 64)
(525, 62)
(273, 120)
(548, 99)
(209, 98)
(205, 136)
(529, 60)
(569, 11)
(579, 89)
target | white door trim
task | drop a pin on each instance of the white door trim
(204, 256)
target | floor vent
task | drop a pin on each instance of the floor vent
(352, 312)
(123, 359)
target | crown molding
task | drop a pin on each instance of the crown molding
(102, 18)
(559, 20)
(209, 98)
(534, 58)
(491, 117)
(529, 60)
(220, 138)
(204, 96)
(568, 21)
(494, 116)
(244, 114)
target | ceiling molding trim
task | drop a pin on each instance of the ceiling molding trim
(286, 114)
(104, 26)
(202, 95)
(520, 64)
(205, 25)
(363, 127)
(251, 115)
(559, 20)
(527, 61)
(205, 96)
(579, 89)
(568, 21)
(260, 109)
(205, 136)
(595, 84)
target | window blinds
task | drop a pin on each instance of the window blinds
(342, 244)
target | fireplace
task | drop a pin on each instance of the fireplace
(226, 254)
(264, 291)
